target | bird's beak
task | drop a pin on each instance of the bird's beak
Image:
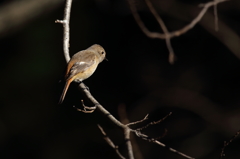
(105, 59)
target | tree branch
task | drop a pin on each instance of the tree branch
(227, 143)
(168, 35)
(125, 128)
(86, 109)
(66, 29)
(165, 31)
(109, 141)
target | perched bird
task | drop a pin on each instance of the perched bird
(82, 65)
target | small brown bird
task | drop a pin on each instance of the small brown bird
(82, 65)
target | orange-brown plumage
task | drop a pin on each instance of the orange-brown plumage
(82, 65)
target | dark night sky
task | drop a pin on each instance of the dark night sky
(201, 89)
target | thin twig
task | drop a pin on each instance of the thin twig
(122, 113)
(99, 106)
(205, 8)
(154, 122)
(142, 25)
(86, 109)
(66, 29)
(109, 141)
(227, 143)
(145, 137)
(165, 31)
(138, 133)
(162, 136)
(139, 121)
(176, 33)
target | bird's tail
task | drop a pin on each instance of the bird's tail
(68, 81)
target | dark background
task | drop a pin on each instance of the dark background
(201, 89)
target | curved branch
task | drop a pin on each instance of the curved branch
(110, 143)
(165, 31)
(166, 34)
(176, 33)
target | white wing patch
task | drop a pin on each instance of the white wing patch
(81, 67)
(81, 63)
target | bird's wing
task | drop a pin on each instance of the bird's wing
(81, 66)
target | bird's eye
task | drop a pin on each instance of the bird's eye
(102, 52)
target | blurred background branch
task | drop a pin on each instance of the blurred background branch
(16, 14)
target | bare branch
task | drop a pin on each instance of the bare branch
(125, 128)
(162, 136)
(154, 122)
(109, 141)
(99, 106)
(168, 35)
(165, 31)
(127, 132)
(123, 115)
(142, 25)
(124, 119)
(140, 121)
(145, 137)
(66, 29)
(205, 6)
(227, 143)
(86, 109)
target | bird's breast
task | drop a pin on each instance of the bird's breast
(86, 73)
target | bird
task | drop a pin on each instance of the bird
(82, 65)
